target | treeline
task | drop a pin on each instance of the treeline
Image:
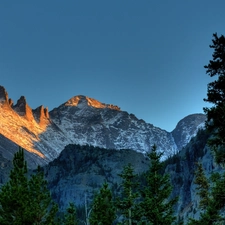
(25, 199)
(142, 200)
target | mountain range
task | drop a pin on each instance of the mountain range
(83, 142)
(83, 120)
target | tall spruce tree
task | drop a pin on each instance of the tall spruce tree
(216, 95)
(212, 198)
(14, 195)
(25, 201)
(126, 203)
(156, 207)
(202, 186)
(71, 215)
(103, 210)
(43, 210)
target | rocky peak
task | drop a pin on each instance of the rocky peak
(81, 101)
(187, 128)
(23, 109)
(10, 102)
(3, 94)
(4, 97)
(41, 114)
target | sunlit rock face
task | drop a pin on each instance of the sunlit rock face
(83, 120)
(80, 101)
(23, 109)
(41, 115)
(3, 94)
(18, 125)
(87, 121)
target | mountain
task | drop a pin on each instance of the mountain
(83, 120)
(83, 142)
(187, 128)
(79, 172)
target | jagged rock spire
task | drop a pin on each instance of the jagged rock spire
(23, 109)
(4, 97)
(41, 113)
(3, 94)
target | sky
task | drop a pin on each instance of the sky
(147, 56)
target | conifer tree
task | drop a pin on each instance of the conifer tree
(156, 208)
(43, 210)
(126, 202)
(216, 95)
(26, 201)
(202, 186)
(71, 215)
(14, 195)
(212, 198)
(103, 210)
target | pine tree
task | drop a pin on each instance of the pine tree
(216, 95)
(126, 202)
(25, 201)
(71, 215)
(212, 197)
(156, 208)
(14, 195)
(43, 210)
(103, 210)
(202, 186)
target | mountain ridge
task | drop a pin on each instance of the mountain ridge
(83, 120)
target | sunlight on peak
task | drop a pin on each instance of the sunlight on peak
(94, 103)
(20, 130)
(76, 100)
(73, 101)
(89, 101)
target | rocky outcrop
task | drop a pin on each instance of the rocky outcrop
(41, 115)
(23, 109)
(4, 99)
(3, 94)
(82, 101)
(79, 171)
(187, 128)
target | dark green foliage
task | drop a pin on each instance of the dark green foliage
(218, 190)
(216, 95)
(43, 210)
(126, 202)
(212, 198)
(26, 201)
(156, 208)
(103, 210)
(71, 215)
(14, 194)
(203, 186)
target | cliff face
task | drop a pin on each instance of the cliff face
(79, 171)
(17, 124)
(181, 169)
(187, 128)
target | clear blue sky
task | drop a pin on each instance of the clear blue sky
(145, 56)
